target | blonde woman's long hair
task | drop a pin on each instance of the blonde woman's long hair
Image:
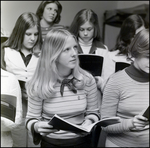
(46, 74)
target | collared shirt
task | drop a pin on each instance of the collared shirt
(26, 59)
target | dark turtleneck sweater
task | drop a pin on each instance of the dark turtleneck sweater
(137, 74)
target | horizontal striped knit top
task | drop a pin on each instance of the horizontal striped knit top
(45, 30)
(125, 97)
(74, 107)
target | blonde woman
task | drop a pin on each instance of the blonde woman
(76, 101)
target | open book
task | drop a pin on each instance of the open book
(8, 106)
(92, 63)
(61, 124)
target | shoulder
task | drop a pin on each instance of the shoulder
(8, 49)
(99, 44)
(118, 76)
(89, 78)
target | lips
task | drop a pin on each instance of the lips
(74, 60)
(51, 17)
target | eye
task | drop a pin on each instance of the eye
(36, 34)
(75, 47)
(66, 50)
(28, 34)
(81, 29)
(89, 29)
(56, 10)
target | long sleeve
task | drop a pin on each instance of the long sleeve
(124, 97)
(92, 100)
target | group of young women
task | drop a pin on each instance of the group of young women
(44, 58)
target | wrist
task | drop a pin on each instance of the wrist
(35, 127)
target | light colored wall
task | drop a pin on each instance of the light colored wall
(10, 10)
(128, 4)
(111, 32)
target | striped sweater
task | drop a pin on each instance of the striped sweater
(125, 97)
(72, 107)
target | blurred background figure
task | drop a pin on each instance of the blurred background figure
(49, 13)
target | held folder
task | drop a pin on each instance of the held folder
(8, 106)
(91, 63)
(146, 113)
(120, 66)
(61, 124)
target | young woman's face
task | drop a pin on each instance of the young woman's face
(30, 37)
(86, 31)
(68, 57)
(142, 63)
(50, 12)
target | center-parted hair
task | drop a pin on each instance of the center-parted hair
(46, 74)
(82, 17)
(42, 6)
(25, 21)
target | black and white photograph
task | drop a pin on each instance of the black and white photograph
(74, 73)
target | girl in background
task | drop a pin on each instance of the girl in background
(21, 54)
(130, 27)
(85, 27)
(49, 13)
(134, 23)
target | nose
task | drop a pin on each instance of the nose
(52, 12)
(32, 37)
(74, 52)
(85, 32)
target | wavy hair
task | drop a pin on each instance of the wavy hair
(82, 17)
(42, 6)
(25, 21)
(127, 33)
(140, 44)
(46, 74)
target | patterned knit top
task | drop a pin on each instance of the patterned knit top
(125, 97)
(74, 107)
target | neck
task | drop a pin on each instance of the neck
(86, 43)
(43, 23)
(26, 51)
(137, 74)
(63, 71)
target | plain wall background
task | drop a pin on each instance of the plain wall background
(11, 10)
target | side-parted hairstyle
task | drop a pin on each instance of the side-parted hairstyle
(46, 74)
(42, 6)
(140, 44)
(127, 32)
(82, 17)
(25, 21)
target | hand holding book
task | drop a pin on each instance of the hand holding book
(61, 124)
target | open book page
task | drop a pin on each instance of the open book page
(61, 124)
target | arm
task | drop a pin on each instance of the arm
(112, 98)
(34, 121)
(92, 112)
